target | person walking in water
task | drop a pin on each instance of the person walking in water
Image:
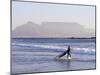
(68, 52)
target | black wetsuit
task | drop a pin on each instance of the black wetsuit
(66, 52)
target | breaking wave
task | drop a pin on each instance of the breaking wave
(74, 49)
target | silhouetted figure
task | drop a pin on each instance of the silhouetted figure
(68, 52)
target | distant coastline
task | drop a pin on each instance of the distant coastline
(57, 37)
(82, 38)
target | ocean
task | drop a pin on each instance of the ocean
(32, 55)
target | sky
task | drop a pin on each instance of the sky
(22, 12)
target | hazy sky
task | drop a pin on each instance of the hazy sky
(22, 12)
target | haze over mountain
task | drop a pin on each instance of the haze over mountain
(52, 29)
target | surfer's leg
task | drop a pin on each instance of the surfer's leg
(70, 55)
(67, 55)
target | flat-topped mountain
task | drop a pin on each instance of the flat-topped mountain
(52, 29)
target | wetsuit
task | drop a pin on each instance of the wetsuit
(66, 52)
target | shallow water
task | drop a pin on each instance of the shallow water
(38, 55)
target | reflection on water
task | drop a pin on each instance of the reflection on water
(68, 63)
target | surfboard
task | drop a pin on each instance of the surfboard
(63, 58)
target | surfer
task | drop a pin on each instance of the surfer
(68, 52)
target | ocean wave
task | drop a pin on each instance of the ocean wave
(74, 49)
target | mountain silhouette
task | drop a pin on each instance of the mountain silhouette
(52, 29)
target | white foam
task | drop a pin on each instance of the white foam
(85, 49)
(62, 48)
